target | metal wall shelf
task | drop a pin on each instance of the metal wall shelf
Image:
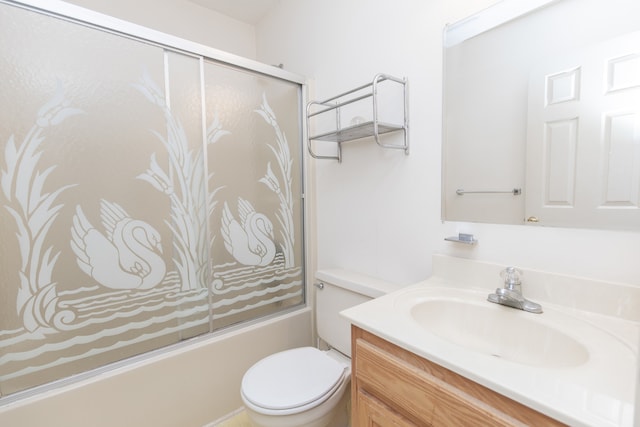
(373, 128)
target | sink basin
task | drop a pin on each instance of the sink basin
(499, 331)
(577, 361)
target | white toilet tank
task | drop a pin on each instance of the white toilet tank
(339, 290)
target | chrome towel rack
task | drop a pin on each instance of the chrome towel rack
(373, 128)
(515, 192)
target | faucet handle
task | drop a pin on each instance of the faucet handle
(511, 277)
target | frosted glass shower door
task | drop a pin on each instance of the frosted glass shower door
(91, 264)
(147, 195)
(254, 161)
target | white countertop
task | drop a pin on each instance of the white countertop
(598, 391)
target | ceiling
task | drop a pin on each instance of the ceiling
(248, 11)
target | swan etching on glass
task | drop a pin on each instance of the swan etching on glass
(250, 238)
(126, 256)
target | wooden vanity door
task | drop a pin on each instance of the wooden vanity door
(374, 413)
(391, 387)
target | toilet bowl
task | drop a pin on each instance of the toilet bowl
(299, 387)
(306, 386)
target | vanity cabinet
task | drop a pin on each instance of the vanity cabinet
(394, 387)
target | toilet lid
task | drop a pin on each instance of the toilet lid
(291, 378)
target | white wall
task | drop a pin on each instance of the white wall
(184, 19)
(379, 211)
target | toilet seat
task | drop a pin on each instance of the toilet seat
(292, 381)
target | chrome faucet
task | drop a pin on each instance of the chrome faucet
(511, 294)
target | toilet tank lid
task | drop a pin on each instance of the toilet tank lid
(357, 282)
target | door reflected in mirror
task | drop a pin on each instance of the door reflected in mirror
(542, 115)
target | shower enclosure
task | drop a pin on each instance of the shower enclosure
(151, 191)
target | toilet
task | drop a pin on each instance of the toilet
(306, 386)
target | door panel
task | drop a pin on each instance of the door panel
(583, 137)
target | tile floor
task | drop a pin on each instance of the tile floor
(239, 420)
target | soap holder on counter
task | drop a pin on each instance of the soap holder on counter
(467, 239)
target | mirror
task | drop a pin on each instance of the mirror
(541, 115)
